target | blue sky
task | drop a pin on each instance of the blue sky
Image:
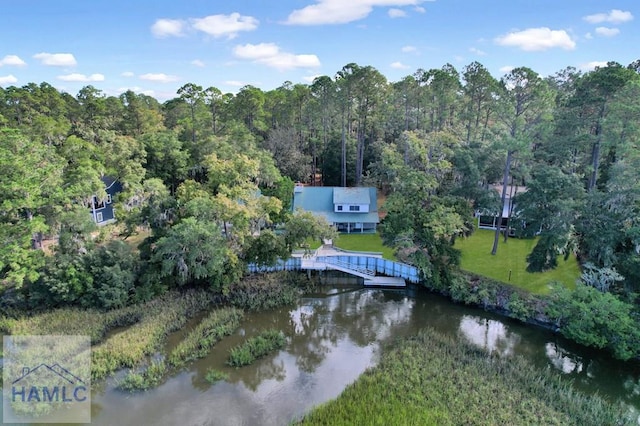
(154, 47)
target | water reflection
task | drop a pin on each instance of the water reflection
(332, 338)
(563, 360)
(489, 334)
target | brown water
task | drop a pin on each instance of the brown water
(332, 338)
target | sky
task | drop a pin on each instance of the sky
(155, 47)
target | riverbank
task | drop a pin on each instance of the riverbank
(128, 337)
(334, 334)
(430, 379)
(614, 330)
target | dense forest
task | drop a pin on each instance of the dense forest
(210, 174)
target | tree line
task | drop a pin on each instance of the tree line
(206, 170)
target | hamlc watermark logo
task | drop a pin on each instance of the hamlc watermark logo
(47, 379)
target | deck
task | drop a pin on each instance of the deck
(370, 266)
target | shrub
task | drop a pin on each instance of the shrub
(266, 291)
(460, 291)
(520, 306)
(596, 319)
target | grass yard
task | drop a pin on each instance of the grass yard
(136, 239)
(364, 242)
(511, 260)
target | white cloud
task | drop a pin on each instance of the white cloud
(168, 28)
(420, 9)
(7, 79)
(614, 16)
(340, 11)
(409, 49)
(270, 55)
(588, 36)
(197, 63)
(506, 69)
(225, 25)
(399, 66)
(56, 59)
(477, 51)
(256, 51)
(397, 13)
(127, 74)
(607, 32)
(81, 77)
(159, 77)
(13, 60)
(235, 83)
(590, 66)
(537, 39)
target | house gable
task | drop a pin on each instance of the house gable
(351, 200)
(348, 209)
(102, 210)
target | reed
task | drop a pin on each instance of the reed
(198, 342)
(214, 376)
(73, 321)
(146, 326)
(267, 291)
(256, 347)
(432, 379)
(144, 380)
(132, 345)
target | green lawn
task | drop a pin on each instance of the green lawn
(364, 242)
(511, 260)
(136, 239)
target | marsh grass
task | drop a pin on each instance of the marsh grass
(149, 324)
(74, 321)
(267, 291)
(146, 326)
(199, 341)
(149, 378)
(161, 317)
(256, 347)
(431, 379)
(214, 376)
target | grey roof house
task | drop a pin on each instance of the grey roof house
(347, 209)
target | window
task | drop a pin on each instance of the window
(98, 204)
(354, 208)
(339, 208)
(109, 199)
(99, 217)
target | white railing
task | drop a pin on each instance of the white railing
(350, 266)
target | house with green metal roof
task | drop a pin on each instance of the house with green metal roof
(347, 209)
